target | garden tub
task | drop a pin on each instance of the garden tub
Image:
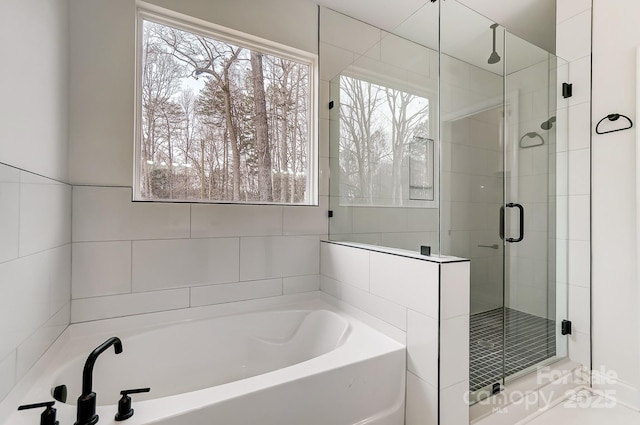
(304, 363)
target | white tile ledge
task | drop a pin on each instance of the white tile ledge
(399, 252)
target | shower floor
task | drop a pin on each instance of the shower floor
(529, 339)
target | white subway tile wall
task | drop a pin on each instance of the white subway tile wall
(421, 403)
(107, 214)
(96, 308)
(215, 221)
(165, 264)
(101, 268)
(345, 264)
(229, 292)
(141, 252)
(8, 367)
(454, 346)
(405, 281)
(429, 302)
(422, 337)
(9, 213)
(35, 269)
(45, 214)
(297, 284)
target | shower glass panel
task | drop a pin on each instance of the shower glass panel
(472, 90)
(446, 133)
(384, 152)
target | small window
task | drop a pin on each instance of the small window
(386, 154)
(223, 117)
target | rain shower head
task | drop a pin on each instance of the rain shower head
(494, 57)
(548, 123)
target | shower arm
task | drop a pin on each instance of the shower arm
(494, 36)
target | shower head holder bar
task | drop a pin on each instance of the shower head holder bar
(523, 143)
(612, 118)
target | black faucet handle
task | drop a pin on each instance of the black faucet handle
(135, 391)
(59, 393)
(124, 404)
(36, 405)
(48, 417)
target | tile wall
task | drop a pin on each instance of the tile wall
(35, 269)
(423, 302)
(132, 258)
(35, 202)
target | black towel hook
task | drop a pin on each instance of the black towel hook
(613, 117)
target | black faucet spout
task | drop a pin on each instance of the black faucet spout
(87, 373)
(87, 401)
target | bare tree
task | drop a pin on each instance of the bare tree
(377, 124)
(402, 123)
(358, 104)
(160, 83)
(223, 141)
(262, 142)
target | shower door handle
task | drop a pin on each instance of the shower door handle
(502, 222)
(521, 210)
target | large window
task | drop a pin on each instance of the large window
(223, 117)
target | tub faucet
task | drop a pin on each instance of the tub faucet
(87, 400)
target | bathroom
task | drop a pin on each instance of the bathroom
(76, 250)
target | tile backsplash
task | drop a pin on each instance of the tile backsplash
(140, 257)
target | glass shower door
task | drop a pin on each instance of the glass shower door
(535, 296)
(502, 194)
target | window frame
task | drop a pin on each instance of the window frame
(156, 14)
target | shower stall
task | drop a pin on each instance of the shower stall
(448, 136)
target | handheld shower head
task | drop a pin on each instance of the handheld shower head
(494, 57)
(548, 123)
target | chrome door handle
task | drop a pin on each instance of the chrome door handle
(494, 246)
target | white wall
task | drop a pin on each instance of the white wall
(615, 285)
(34, 86)
(419, 301)
(134, 258)
(35, 204)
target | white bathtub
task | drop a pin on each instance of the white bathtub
(291, 365)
